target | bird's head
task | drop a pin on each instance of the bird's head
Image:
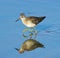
(22, 16)
(20, 50)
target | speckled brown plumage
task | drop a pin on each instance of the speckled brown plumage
(36, 20)
(31, 21)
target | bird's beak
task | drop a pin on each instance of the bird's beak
(17, 19)
(17, 49)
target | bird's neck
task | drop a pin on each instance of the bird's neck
(23, 19)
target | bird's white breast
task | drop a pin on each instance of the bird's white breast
(28, 23)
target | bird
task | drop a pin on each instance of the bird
(29, 45)
(30, 21)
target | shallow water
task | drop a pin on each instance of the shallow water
(11, 32)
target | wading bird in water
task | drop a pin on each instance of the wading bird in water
(30, 21)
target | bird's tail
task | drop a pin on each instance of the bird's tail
(41, 45)
(42, 18)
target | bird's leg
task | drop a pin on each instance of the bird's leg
(35, 34)
(31, 35)
(30, 31)
(24, 31)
